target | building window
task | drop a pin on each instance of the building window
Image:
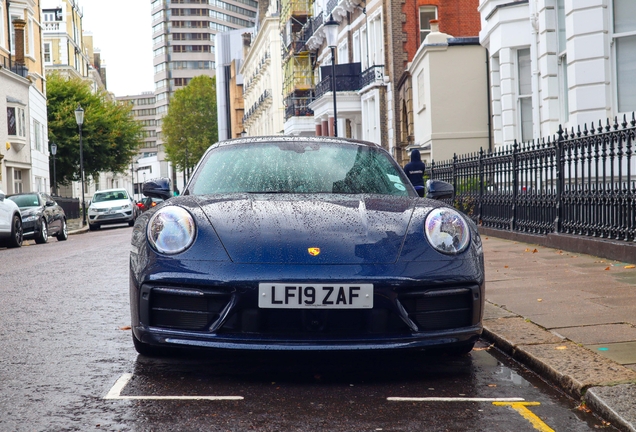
(343, 53)
(427, 13)
(364, 48)
(356, 47)
(30, 45)
(524, 98)
(369, 124)
(15, 122)
(625, 49)
(37, 135)
(17, 181)
(376, 41)
(47, 53)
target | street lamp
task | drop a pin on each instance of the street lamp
(79, 118)
(54, 152)
(331, 33)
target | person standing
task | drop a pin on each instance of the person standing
(415, 171)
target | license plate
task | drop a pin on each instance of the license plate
(308, 296)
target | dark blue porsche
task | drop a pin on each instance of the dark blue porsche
(296, 243)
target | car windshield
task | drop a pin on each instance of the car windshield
(299, 167)
(30, 200)
(109, 196)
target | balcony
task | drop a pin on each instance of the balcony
(18, 69)
(348, 78)
(372, 75)
(298, 107)
(53, 25)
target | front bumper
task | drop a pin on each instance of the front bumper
(104, 218)
(406, 315)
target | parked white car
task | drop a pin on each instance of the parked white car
(10, 223)
(111, 206)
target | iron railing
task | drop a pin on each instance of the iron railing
(71, 206)
(298, 106)
(581, 183)
(372, 75)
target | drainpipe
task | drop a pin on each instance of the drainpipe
(489, 99)
(534, 64)
(9, 31)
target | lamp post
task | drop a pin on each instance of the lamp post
(79, 118)
(331, 34)
(54, 152)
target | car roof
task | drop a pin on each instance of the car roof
(112, 190)
(26, 193)
(295, 139)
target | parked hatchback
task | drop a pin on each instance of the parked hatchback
(42, 217)
(10, 223)
(111, 206)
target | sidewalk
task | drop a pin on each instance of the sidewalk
(75, 226)
(569, 317)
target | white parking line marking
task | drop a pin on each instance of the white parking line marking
(452, 399)
(115, 393)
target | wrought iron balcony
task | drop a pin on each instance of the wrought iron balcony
(374, 74)
(16, 68)
(298, 107)
(347, 78)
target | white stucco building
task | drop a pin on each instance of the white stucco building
(558, 62)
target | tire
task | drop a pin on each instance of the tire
(131, 223)
(43, 235)
(145, 349)
(15, 241)
(63, 234)
(93, 227)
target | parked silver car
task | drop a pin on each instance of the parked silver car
(10, 223)
(111, 206)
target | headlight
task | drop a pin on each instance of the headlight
(171, 230)
(447, 231)
(29, 218)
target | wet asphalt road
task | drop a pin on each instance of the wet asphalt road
(67, 364)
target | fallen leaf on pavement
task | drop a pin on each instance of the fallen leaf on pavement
(124, 328)
(492, 385)
(505, 266)
(607, 268)
(631, 266)
(527, 250)
(535, 251)
(582, 407)
(562, 347)
(539, 300)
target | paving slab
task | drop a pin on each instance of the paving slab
(599, 334)
(621, 352)
(615, 404)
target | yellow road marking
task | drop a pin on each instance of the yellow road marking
(520, 407)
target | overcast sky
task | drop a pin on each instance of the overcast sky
(122, 30)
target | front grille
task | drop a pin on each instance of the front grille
(440, 309)
(185, 309)
(299, 323)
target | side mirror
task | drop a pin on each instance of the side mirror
(437, 189)
(50, 203)
(158, 188)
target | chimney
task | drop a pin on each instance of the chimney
(19, 25)
(434, 26)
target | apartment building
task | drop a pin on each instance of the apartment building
(24, 152)
(263, 81)
(558, 62)
(184, 44)
(145, 165)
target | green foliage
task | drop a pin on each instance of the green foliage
(190, 126)
(110, 135)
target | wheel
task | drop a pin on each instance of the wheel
(15, 240)
(93, 227)
(63, 234)
(145, 349)
(43, 235)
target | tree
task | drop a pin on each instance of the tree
(110, 134)
(190, 126)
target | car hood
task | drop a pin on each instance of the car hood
(110, 204)
(347, 229)
(28, 211)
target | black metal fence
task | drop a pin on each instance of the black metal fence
(71, 206)
(581, 183)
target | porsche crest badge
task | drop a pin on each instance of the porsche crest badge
(313, 251)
